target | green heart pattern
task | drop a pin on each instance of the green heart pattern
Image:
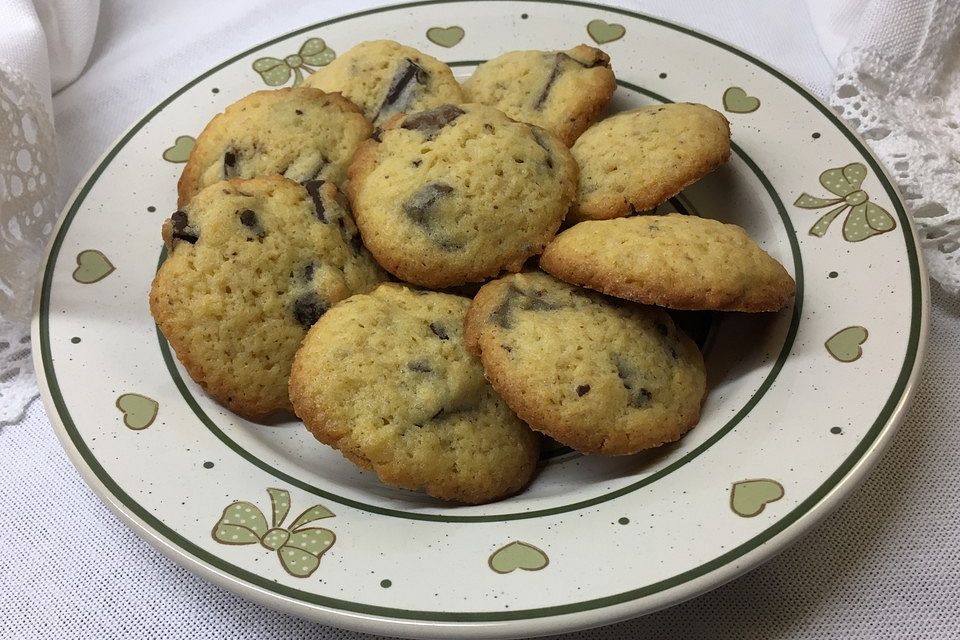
(845, 345)
(138, 411)
(180, 151)
(518, 555)
(748, 498)
(736, 100)
(603, 32)
(445, 36)
(92, 266)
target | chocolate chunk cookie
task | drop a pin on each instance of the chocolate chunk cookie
(459, 193)
(561, 91)
(385, 378)
(385, 78)
(594, 374)
(675, 261)
(300, 133)
(251, 265)
(635, 160)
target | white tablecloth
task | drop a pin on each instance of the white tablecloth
(886, 564)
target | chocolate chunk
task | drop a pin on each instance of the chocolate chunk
(583, 389)
(600, 60)
(555, 72)
(421, 366)
(502, 315)
(639, 397)
(421, 206)
(539, 304)
(313, 188)
(309, 270)
(308, 308)
(248, 218)
(538, 136)
(181, 228)
(439, 331)
(230, 164)
(402, 88)
(430, 122)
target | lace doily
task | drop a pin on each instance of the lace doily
(900, 88)
(27, 201)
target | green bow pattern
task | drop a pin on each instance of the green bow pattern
(864, 220)
(299, 547)
(276, 72)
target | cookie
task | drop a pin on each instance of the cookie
(251, 265)
(385, 78)
(300, 133)
(636, 160)
(675, 261)
(597, 375)
(560, 91)
(385, 378)
(459, 193)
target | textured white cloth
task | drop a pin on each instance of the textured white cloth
(887, 564)
(43, 46)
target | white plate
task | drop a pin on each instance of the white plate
(802, 402)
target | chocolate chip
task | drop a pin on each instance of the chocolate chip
(538, 136)
(421, 206)
(506, 348)
(181, 230)
(308, 308)
(488, 127)
(402, 87)
(639, 397)
(583, 389)
(248, 218)
(417, 162)
(298, 112)
(439, 331)
(554, 74)
(538, 304)
(503, 315)
(430, 122)
(230, 164)
(309, 270)
(421, 366)
(313, 188)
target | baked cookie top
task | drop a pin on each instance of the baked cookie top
(299, 132)
(596, 375)
(676, 261)
(385, 78)
(459, 193)
(251, 265)
(385, 378)
(560, 91)
(635, 160)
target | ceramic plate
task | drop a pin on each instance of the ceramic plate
(801, 402)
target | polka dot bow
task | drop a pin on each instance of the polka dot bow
(275, 71)
(299, 547)
(864, 219)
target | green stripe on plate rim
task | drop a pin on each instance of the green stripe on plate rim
(802, 509)
(538, 513)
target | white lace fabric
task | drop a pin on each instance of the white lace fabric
(898, 84)
(27, 200)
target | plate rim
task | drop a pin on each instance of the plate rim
(376, 619)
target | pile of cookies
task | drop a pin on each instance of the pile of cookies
(326, 235)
